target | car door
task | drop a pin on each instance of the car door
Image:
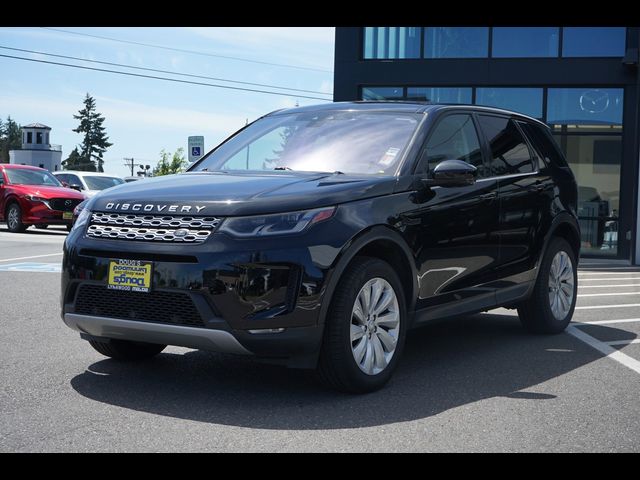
(520, 191)
(456, 243)
(2, 193)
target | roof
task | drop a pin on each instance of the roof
(37, 125)
(85, 173)
(396, 106)
(23, 167)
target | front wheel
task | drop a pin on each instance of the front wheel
(127, 350)
(14, 219)
(364, 328)
(551, 305)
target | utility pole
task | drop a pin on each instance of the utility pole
(129, 163)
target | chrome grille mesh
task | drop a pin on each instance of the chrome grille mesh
(158, 228)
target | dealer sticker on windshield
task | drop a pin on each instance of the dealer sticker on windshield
(130, 275)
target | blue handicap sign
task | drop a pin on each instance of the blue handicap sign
(195, 151)
(32, 267)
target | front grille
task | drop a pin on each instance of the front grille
(63, 204)
(151, 228)
(159, 307)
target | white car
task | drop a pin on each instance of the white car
(88, 183)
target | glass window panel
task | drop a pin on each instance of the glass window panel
(509, 151)
(382, 93)
(593, 41)
(595, 161)
(440, 95)
(584, 106)
(525, 42)
(454, 138)
(456, 42)
(391, 42)
(523, 100)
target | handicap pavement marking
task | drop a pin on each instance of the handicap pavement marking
(32, 267)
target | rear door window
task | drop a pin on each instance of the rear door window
(510, 153)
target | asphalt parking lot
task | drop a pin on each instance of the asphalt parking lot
(475, 384)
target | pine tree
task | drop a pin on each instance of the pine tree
(10, 138)
(95, 141)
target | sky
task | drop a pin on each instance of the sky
(144, 116)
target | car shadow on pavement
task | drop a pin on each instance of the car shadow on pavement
(444, 366)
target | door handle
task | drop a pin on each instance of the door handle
(488, 196)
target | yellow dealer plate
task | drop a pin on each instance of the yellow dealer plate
(67, 215)
(130, 275)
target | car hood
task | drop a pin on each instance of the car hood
(46, 191)
(220, 193)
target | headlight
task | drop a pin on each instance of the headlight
(278, 224)
(34, 198)
(83, 218)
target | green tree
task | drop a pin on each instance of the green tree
(95, 141)
(75, 162)
(10, 138)
(170, 164)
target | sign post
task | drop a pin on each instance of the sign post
(196, 148)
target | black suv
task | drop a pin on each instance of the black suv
(317, 237)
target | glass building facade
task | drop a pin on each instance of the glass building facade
(578, 80)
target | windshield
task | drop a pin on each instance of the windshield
(349, 142)
(100, 183)
(23, 176)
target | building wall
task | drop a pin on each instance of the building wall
(48, 159)
(617, 184)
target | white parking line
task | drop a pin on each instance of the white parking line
(606, 294)
(617, 279)
(33, 256)
(612, 268)
(610, 286)
(582, 274)
(605, 322)
(608, 350)
(624, 342)
(623, 305)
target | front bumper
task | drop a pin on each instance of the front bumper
(40, 213)
(258, 297)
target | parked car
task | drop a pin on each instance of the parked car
(33, 196)
(316, 237)
(133, 178)
(88, 183)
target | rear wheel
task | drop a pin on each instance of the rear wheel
(127, 350)
(551, 306)
(14, 219)
(364, 328)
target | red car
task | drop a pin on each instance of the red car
(32, 196)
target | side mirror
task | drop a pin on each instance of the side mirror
(452, 173)
(75, 186)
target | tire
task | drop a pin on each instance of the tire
(14, 219)
(43, 226)
(537, 314)
(126, 350)
(337, 365)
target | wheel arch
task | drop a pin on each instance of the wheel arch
(379, 242)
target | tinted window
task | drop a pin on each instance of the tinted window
(543, 143)
(593, 41)
(440, 94)
(382, 93)
(453, 138)
(525, 42)
(456, 42)
(100, 183)
(391, 42)
(509, 152)
(585, 106)
(523, 100)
